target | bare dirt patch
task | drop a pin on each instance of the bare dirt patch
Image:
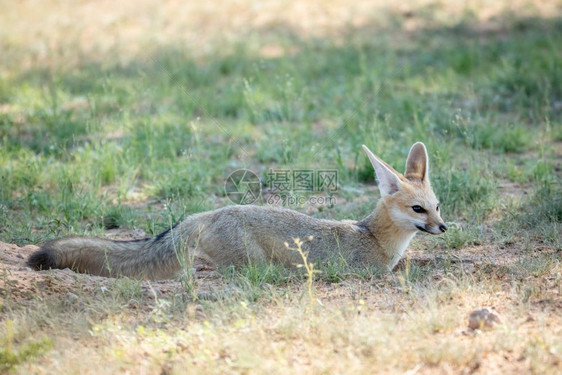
(19, 282)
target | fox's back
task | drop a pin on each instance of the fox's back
(236, 233)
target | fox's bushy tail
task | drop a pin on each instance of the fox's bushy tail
(158, 257)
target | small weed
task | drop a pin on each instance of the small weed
(456, 237)
(187, 276)
(113, 217)
(543, 208)
(308, 266)
(260, 274)
(410, 275)
(515, 173)
(127, 289)
(335, 271)
(537, 266)
(10, 356)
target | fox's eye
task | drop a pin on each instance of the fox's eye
(437, 209)
(418, 209)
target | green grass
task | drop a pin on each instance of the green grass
(179, 122)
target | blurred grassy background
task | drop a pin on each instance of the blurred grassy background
(129, 114)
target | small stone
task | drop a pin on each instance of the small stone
(484, 318)
(20, 256)
(71, 297)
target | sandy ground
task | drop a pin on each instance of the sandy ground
(20, 282)
(22, 285)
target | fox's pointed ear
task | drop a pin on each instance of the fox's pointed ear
(389, 182)
(417, 165)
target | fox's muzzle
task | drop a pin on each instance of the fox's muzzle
(442, 228)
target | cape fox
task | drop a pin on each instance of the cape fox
(240, 234)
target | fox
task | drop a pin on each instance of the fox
(241, 234)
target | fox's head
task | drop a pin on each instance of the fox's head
(409, 198)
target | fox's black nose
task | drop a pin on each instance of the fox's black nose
(443, 228)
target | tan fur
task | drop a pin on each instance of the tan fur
(236, 235)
